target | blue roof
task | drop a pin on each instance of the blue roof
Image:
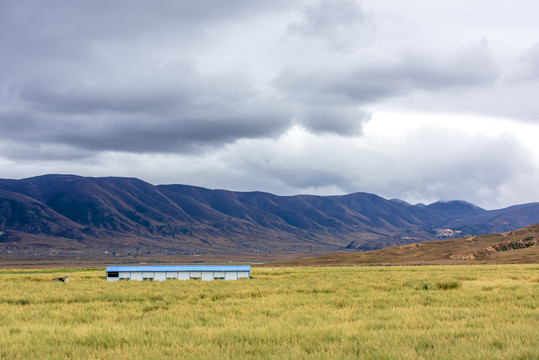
(180, 268)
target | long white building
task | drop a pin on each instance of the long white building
(180, 272)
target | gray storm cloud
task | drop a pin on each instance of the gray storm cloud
(83, 75)
(169, 110)
(531, 62)
(111, 82)
(344, 27)
(337, 99)
(369, 80)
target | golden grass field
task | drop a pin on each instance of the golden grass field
(452, 312)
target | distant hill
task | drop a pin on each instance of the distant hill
(519, 247)
(68, 213)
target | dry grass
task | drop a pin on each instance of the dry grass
(438, 252)
(464, 312)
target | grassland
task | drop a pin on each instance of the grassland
(453, 312)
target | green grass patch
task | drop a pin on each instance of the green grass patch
(447, 285)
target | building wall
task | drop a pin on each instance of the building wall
(181, 275)
(160, 276)
(207, 276)
(136, 275)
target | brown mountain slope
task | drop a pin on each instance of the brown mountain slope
(519, 246)
(127, 215)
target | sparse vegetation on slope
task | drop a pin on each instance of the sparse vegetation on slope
(515, 247)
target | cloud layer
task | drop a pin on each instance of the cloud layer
(276, 97)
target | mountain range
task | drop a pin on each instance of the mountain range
(63, 213)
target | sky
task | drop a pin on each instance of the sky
(417, 100)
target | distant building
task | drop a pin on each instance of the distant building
(180, 272)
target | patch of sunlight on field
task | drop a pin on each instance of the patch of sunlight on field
(458, 312)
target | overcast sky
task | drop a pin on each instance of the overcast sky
(418, 100)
